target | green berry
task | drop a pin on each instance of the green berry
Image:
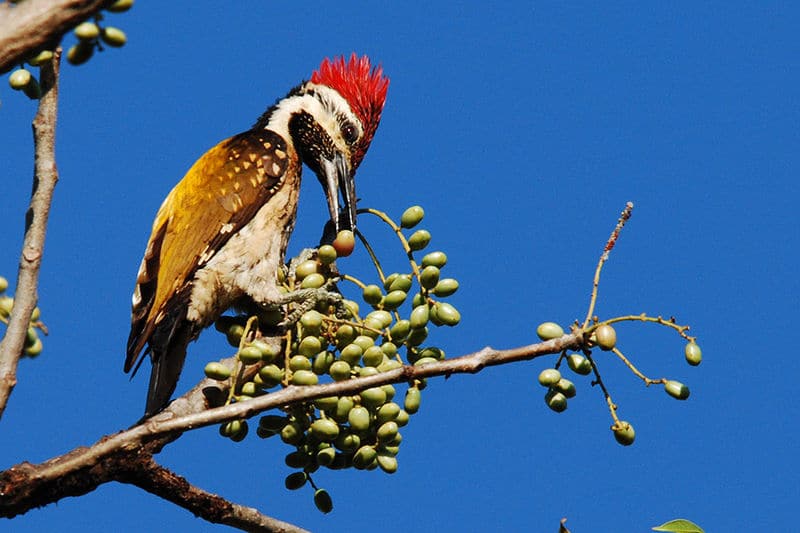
(437, 259)
(249, 355)
(373, 356)
(6, 305)
(411, 217)
(394, 299)
(271, 375)
(359, 418)
(343, 407)
(605, 337)
(327, 404)
(3, 284)
(41, 58)
(305, 269)
(120, 6)
(579, 364)
(389, 349)
(324, 430)
(556, 401)
(295, 480)
(299, 362)
(373, 397)
(417, 336)
(429, 277)
(309, 346)
(412, 400)
(217, 371)
(326, 254)
(381, 318)
(86, 31)
(447, 314)
(445, 287)
(549, 377)
(402, 417)
(402, 282)
(80, 53)
(419, 240)
(323, 362)
(313, 281)
(347, 442)
(364, 457)
(292, 433)
(19, 79)
(565, 387)
(400, 331)
(350, 354)
(323, 501)
(624, 433)
(387, 463)
(677, 390)
(549, 330)
(344, 335)
(34, 349)
(419, 317)
(387, 431)
(387, 412)
(694, 355)
(311, 321)
(113, 36)
(372, 294)
(304, 378)
(297, 459)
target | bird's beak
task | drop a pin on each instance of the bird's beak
(336, 177)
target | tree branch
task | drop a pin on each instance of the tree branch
(80, 471)
(45, 177)
(155, 479)
(36, 24)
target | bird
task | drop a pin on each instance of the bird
(220, 236)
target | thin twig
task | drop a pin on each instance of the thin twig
(612, 240)
(146, 474)
(45, 177)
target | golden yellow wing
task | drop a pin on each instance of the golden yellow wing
(221, 192)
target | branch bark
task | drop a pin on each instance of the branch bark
(36, 24)
(80, 471)
(45, 177)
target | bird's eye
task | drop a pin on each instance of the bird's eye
(349, 132)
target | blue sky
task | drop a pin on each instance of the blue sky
(522, 129)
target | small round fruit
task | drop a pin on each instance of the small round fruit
(372, 294)
(359, 418)
(419, 240)
(373, 397)
(295, 480)
(429, 277)
(271, 375)
(693, 353)
(387, 463)
(305, 269)
(677, 390)
(351, 354)
(373, 356)
(3, 284)
(447, 314)
(323, 501)
(249, 355)
(120, 6)
(304, 377)
(566, 387)
(41, 58)
(419, 317)
(394, 299)
(324, 430)
(400, 331)
(437, 259)
(113, 36)
(411, 217)
(556, 401)
(86, 31)
(299, 362)
(387, 412)
(326, 254)
(344, 243)
(387, 431)
(364, 457)
(549, 330)
(401, 282)
(624, 433)
(549, 377)
(412, 400)
(313, 281)
(579, 364)
(35, 348)
(217, 371)
(445, 287)
(605, 337)
(19, 79)
(292, 433)
(310, 346)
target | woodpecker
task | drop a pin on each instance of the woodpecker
(220, 236)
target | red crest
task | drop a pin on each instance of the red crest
(364, 88)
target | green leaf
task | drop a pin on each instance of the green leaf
(679, 525)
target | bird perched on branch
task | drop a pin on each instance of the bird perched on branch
(220, 236)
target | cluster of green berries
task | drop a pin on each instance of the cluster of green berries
(33, 344)
(91, 36)
(559, 389)
(334, 343)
